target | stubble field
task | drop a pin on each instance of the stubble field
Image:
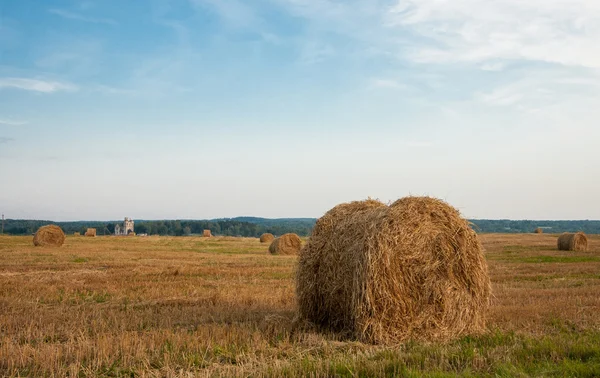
(187, 306)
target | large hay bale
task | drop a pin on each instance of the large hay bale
(539, 230)
(385, 274)
(91, 232)
(572, 242)
(286, 244)
(50, 235)
(266, 238)
(206, 234)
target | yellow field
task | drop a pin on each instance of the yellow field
(186, 306)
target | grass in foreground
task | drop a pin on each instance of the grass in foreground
(223, 307)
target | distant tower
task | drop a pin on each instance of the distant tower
(126, 228)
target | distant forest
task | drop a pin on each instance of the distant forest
(254, 227)
(525, 226)
(243, 226)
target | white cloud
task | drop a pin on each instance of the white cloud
(78, 17)
(493, 66)
(557, 31)
(10, 122)
(35, 85)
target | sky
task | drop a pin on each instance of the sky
(197, 109)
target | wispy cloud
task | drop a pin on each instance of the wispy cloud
(558, 31)
(493, 66)
(10, 122)
(108, 90)
(79, 17)
(35, 85)
(541, 89)
(6, 140)
(313, 52)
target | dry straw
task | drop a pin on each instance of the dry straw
(91, 232)
(266, 238)
(572, 242)
(286, 244)
(76, 234)
(50, 235)
(539, 230)
(206, 234)
(385, 274)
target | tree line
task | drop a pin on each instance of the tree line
(526, 226)
(225, 227)
(254, 227)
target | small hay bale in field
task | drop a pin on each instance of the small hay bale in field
(539, 230)
(386, 274)
(50, 235)
(91, 232)
(286, 244)
(266, 238)
(76, 233)
(206, 234)
(131, 233)
(572, 242)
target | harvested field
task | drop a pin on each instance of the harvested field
(168, 306)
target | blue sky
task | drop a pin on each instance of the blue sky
(285, 108)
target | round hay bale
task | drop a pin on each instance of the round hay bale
(266, 238)
(91, 232)
(286, 244)
(50, 235)
(206, 234)
(385, 274)
(76, 233)
(572, 242)
(539, 230)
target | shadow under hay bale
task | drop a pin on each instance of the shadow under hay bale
(50, 235)
(576, 242)
(539, 230)
(286, 244)
(266, 238)
(386, 274)
(91, 232)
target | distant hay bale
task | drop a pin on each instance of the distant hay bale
(572, 242)
(286, 244)
(386, 274)
(50, 235)
(91, 232)
(131, 233)
(266, 238)
(76, 233)
(206, 234)
(539, 230)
